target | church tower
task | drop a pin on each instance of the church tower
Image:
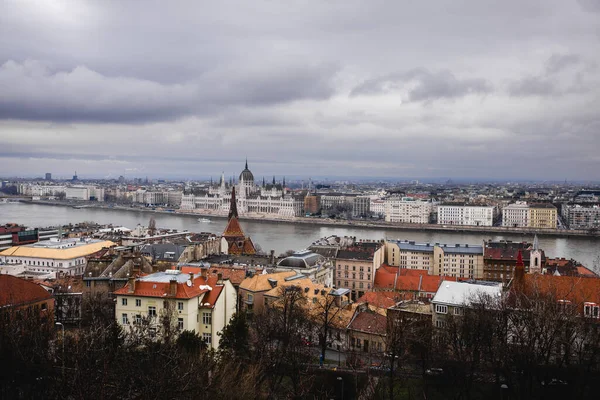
(237, 241)
(535, 258)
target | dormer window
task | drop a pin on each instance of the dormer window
(591, 310)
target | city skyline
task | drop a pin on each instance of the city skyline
(450, 89)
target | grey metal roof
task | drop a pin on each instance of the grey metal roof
(428, 247)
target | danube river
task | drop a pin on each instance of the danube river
(279, 236)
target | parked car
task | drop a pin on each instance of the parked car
(434, 372)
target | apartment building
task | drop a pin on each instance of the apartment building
(466, 215)
(516, 215)
(464, 261)
(408, 210)
(355, 267)
(581, 216)
(543, 215)
(193, 302)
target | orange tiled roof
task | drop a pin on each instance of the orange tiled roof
(407, 279)
(161, 289)
(379, 299)
(16, 291)
(369, 322)
(576, 289)
(233, 228)
(260, 283)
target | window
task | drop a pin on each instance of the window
(44, 306)
(88, 283)
(151, 311)
(250, 298)
(458, 311)
(591, 310)
(138, 319)
(440, 324)
(207, 337)
(180, 305)
(138, 302)
(206, 318)
(125, 319)
(123, 301)
(440, 309)
(180, 324)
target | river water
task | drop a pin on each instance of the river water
(280, 236)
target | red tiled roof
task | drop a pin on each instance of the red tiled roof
(210, 298)
(379, 299)
(583, 271)
(233, 228)
(408, 279)
(16, 291)
(161, 289)
(575, 289)
(370, 322)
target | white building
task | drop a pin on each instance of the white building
(452, 298)
(466, 215)
(77, 193)
(378, 207)
(192, 302)
(408, 210)
(251, 199)
(67, 256)
(578, 216)
(516, 215)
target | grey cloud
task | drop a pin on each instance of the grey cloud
(558, 62)
(532, 86)
(423, 85)
(31, 91)
(590, 5)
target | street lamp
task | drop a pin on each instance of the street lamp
(339, 378)
(63, 344)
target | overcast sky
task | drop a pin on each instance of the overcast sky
(472, 89)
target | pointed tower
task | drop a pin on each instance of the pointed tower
(535, 257)
(233, 212)
(519, 273)
(273, 180)
(237, 241)
(263, 185)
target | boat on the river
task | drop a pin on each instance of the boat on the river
(205, 220)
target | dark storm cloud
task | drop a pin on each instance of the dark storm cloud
(31, 91)
(423, 85)
(302, 87)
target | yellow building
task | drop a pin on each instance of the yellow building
(542, 215)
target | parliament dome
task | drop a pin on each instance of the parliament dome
(246, 175)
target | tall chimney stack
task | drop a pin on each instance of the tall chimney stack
(131, 284)
(173, 287)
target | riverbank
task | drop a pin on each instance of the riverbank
(497, 230)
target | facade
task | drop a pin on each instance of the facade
(252, 199)
(252, 289)
(361, 206)
(500, 259)
(408, 210)
(367, 331)
(20, 295)
(192, 302)
(466, 215)
(453, 298)
(378, 207)
(355, 267)
(581, 216)
(311, 204)
(463, 261)
(516, 215)
(329, 201)
(68, 256)
(543, 215)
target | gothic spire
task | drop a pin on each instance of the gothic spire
(273, 180)
(246, 162)
(233, 207)
(536, 243)
(263, 182)
(283, 182)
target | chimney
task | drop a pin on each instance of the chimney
(219, 278)
(131, 284)
(204, 272)
(272, 257)
(173, 287)
(192, 277)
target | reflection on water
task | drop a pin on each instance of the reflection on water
(279, 236)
